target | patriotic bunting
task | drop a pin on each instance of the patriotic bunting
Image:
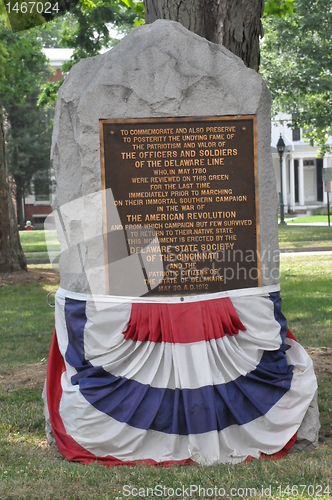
(211, 381)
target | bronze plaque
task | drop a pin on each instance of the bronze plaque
(194, 184)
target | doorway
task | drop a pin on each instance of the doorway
(310, 180)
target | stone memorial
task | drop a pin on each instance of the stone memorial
(168, 316)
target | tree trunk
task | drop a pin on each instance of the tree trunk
(236, 24)
(19, 203)
(11, 254)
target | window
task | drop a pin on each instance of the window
(39, 219)
(296, 134)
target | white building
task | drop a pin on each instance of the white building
(57, 56)
(302, 170)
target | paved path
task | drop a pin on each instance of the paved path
(313, 224)
(305, 251)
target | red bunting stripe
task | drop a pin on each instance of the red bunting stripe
(67, 446)
(290, 335)
(183, 323)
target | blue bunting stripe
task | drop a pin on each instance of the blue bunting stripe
(276, 299)
(181, 412)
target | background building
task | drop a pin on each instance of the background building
(302, 171)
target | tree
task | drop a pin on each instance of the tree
(297, 66)
(17, 52)
(236, 25)
(28, 134)
(28, 145)
(11, 254)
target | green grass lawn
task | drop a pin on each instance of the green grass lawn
(309, 219)
(304, 236)
(34, 241)
(34, 255)
(26, 324)
(306, 289)
(29, 469)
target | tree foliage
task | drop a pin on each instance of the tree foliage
(49, 34)
(297, 66)
(278, 7)
(28, 133)
(28, 145)
(19, 52)
(86, 29)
